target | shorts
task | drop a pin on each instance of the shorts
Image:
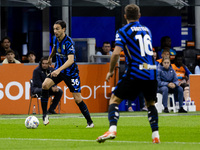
(130, 89)
(73, 83)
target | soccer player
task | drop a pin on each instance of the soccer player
(140, 76)
(66, 70)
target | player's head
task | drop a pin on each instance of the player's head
(59, 28)
(132, 12)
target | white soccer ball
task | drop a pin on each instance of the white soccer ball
(31, 122)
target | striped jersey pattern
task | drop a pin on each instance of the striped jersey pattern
(136, 41)
(63, 49)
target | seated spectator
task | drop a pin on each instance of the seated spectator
(31, 57)
(182, 73)
(165, 54)
(166, 43)
(6, 43)
(10, 57)
(197, 67)
(155, 58)
(39, 75)
(168, 83)
(106, 50)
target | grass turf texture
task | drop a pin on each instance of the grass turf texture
(67, 131)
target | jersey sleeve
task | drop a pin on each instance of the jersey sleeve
(54, 42)
(69, 48)
(119, 40)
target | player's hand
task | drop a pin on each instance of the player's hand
(55, 73)
(109, 74)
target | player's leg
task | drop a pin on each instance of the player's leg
(113, 117)
(153, 120)
(83, 108)
(150, 99)
(44, 99)
(56, 100)
(123, 90)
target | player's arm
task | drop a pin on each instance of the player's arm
(67, 64)
(53, 52)
(114, 58)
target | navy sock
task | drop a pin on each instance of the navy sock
(113, 114)
(44, 100)
(153, 118)
(84, 110)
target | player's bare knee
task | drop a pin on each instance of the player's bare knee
(78, 100)
(115, 100)
(45, 86)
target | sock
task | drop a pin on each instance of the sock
(113, 128)
(44, 100)
(153, 118)
(113, 114)
(155, 134)
(56, 100)
(84, 110)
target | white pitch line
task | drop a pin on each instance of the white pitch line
(79, 140)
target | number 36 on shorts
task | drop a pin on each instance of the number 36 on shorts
(74, 82)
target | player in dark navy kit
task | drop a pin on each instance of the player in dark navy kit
(140, 76)
(66, 70)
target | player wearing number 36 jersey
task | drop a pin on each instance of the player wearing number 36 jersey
(140, 76)
(66, 70)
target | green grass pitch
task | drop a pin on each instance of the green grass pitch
(67, 131)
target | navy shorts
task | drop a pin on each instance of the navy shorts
(73, 83)
(130, 89)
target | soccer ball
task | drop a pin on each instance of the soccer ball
(31, 122)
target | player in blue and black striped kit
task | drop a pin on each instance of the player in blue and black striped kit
(140, 75)
(66, 70)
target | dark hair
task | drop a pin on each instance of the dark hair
(165, 59)
(166, 50)
(30, 52)
(132, 12)
(5, 38)
(61, 23)
(106, 42)
(10, 51)
(44, 58)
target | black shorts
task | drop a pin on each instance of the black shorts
(73, 83)
(130, 89)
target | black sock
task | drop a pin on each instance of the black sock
(153, 118)
(44, 100)
(84, 110)
(56, 100)
(113, 114)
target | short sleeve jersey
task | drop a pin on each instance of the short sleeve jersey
(63, 49)
(136, 41)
